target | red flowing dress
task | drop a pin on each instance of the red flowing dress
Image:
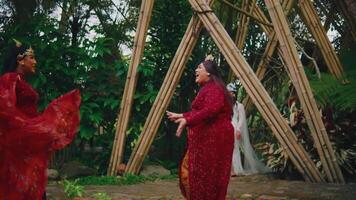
(210, 145)
(28, 138)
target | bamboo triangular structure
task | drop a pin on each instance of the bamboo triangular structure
(264, 103)
(254, 88)
(242, 29)
(311, 19)
(259, 95)
(164, 95)
(130, 86)
(301, 84)
(243, 25)
(271, 46)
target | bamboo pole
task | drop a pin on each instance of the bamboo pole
(242, 30)
(292, 63)
(272, 45)
(246, 13)
(312, 21)
(165, 94)
(223, 46)
(260, 15)
(144, 139)
(152, 123)
(228, 50)
(259, 95)
(261, 68)
(303, 89)
(243, 25)
(130, 85)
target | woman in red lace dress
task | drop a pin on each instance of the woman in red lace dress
(27, 138)
(205, 169)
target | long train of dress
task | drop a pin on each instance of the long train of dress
(251, 165)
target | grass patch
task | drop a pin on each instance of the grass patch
(127, 179)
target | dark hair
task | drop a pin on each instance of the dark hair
(10, 62)
(212, 68)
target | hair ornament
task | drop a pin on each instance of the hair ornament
(17, 43)
(209, 57)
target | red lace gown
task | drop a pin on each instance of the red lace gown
(210, 146)
(28, 138)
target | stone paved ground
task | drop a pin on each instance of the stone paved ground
(256, 187)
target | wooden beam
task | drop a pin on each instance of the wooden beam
(130, 85)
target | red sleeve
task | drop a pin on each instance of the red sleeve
(62, 118)
(52, 130)
(212, 104)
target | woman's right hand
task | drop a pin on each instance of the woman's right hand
(182, 122)
(174, 116)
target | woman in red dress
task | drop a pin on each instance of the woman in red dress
(205, 170)
(28, 138)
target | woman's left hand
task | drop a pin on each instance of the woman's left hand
(174, 116)
(182, 123)
(238, 135)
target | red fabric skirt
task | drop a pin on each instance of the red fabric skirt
(26, 141)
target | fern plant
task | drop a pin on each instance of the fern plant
(329, 91)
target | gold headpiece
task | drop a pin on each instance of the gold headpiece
(209, 57)
(28, 52)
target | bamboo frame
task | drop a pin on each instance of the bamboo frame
(130, 85)
(242, 30)
(254, 88)
(314, 25)
(259, 95)
(271, 46)
(244, 22)
(301, 84)
(165, 94)
(246, 13)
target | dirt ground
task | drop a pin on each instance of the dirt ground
(257, 187)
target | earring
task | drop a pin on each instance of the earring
(208, 74)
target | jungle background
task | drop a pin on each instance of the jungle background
(86, 44)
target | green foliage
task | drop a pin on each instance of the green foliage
(81, 56)
(331, 92)
(73, 189)
(127, 179)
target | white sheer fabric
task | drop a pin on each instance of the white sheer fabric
(251, 163)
